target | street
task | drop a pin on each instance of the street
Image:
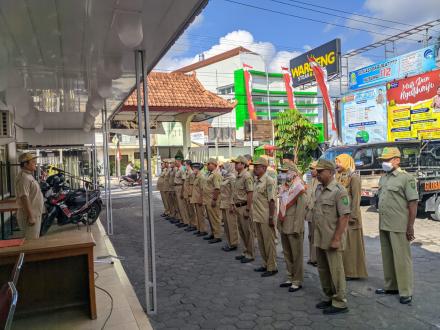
(202, 287)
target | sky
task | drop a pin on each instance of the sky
(280, 32)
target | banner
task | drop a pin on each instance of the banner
(289, 87)
(414, 107)
(364, 116)
(409, 64)
(248, 83)
(327, 55)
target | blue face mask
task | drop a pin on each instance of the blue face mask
(184, 167)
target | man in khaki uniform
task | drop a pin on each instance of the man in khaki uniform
(331, 214)
(212, 192)
(263, 211)
(292, 199)
(397, 212)
(196, 199)
(172, 199)
(228, 209)
(161, 187)
(178, 188)
(311, 198)
(188, 177)
(242, 196)
(29, 197)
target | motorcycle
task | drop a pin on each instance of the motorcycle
(127, 181)
(68, 206)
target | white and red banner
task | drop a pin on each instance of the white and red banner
(248, 83)
(289, 87)
(321, 79)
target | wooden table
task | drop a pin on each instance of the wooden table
(58, 272)
(8, 205)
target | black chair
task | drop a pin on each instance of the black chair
(17, 269)
(8, 302)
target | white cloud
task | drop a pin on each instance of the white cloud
(282, 59)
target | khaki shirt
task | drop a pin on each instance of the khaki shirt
(293, 222)
(213, 182)
(26, 185)
(311, 198)
(354, 192)
(178, 177)
(197, 189)
(332, 202)
(161, 181)
(242, 185)
(226, 188)
(188, 178)
(396, 189)
(166, 180)
(203, 181)
(171, 175)
(264, 191)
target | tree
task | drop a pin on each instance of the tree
(179, 154)
(294, 133)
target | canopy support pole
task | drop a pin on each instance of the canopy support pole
(108, 188)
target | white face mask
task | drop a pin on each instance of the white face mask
(387, 166)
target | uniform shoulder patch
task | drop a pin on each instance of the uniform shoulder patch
(345, 200)
(413, 184)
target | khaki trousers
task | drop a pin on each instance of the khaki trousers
(397, 262)
(311, 237)
(172, 201)
(266, 244)
(214, 217)
(182, 205)
(199, 210)
(246, 230)
(231, 229)
(164, 196)
(191, 213)
(30, 232)
(293, 255)
(332, 276)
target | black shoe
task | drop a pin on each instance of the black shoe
(239, 257)
(174, 221)
(323, 304)
(260, 269)
(214, 240)
(295, 288)
(202, 233)
(286, 284)
(383, 291)
(208, 238)
(332, 310)
(188, 229)
(269, 273)
(193, 229)
(229, 248)
(352, 278)
(405, 300)
(246, 260)
(180, 225)
(163, 215)
(314, 264)
(196, 232)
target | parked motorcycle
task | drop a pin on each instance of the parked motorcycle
(68, 206)
(127, 181)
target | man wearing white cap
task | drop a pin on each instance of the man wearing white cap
(29, 197)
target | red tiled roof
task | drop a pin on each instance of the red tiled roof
(213, 59)
(178, 92)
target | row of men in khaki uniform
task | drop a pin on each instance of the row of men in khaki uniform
(245, 200)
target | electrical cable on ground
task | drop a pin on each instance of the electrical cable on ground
(111, 301)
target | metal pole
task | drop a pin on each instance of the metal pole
(104, 156)
(252, 139)
(148, 219)
(107, 174)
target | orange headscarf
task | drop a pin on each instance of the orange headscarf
(346, 163)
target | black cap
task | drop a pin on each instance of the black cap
(197, 165)
(288, 156)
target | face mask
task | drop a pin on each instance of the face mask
(387, 166)
(223, 172)
(184, 167)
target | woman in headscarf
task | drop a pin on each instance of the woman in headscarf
(354, 252)
(227, 207)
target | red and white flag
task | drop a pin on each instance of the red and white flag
(289, 87)
(248, 83)
(321, 79)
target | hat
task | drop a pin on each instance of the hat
(212, 161)
(197, 165)
(289, 167)
(313, 165)
(27, 156)
(324, 164)
(240, 159)
(288, 156)
(261, 161)
(390, 152)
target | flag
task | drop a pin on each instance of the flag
(321, 79)
(248, 83)
(289, 87)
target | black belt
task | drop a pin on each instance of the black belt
(181, 184)
(240, 204)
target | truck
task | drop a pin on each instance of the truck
(419, 158)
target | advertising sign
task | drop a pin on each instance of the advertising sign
(327, 55)
(364, 116)
(261, 130)
(414, 107)
(409, 64)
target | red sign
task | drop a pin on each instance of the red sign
(415, 89)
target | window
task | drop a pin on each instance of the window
(363, 157)
(332, 153)
(226, 90)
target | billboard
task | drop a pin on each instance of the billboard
(409, 64)
(364, 116)
(414, 107)
(327, 55)
(262, 130)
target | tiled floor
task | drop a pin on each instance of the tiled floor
(126, 314)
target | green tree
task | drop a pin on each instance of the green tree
(179, 154)
(294, 133)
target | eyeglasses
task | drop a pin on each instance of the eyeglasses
(320, 171)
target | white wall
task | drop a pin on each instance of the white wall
(55, 137)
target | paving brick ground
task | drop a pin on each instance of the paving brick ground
(202, 287)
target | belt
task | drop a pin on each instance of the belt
(240, 204)
(180, 184)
